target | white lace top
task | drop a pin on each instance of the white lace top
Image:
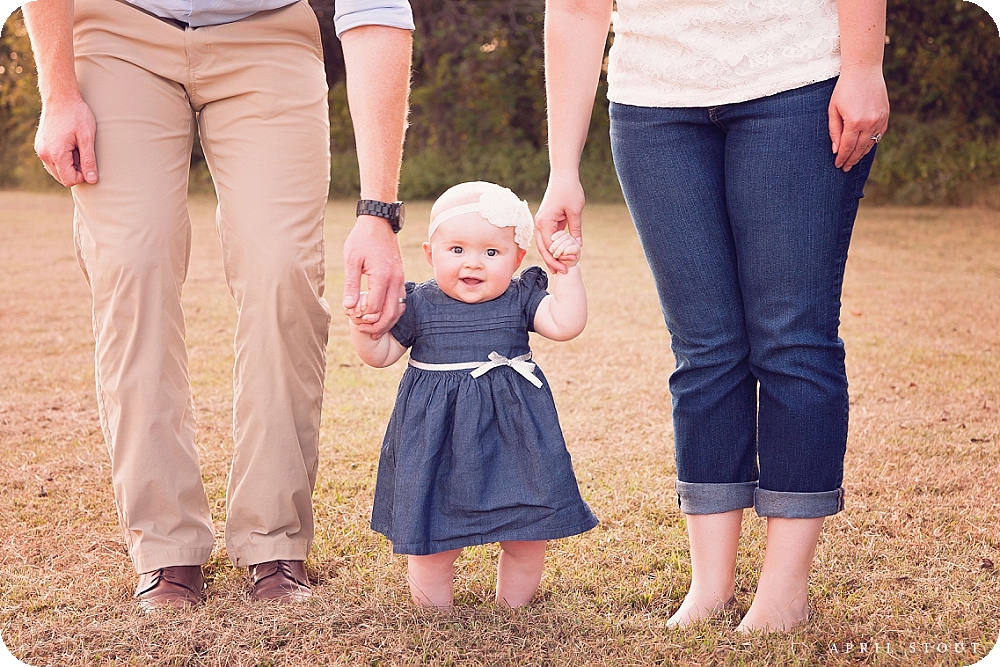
(687, 53)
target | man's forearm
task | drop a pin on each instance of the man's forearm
(377, 59)
(50, 27)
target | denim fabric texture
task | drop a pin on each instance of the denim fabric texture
(745, 223)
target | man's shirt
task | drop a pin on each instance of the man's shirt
(348, 14)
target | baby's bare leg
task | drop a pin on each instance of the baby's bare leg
(432, 578)
(519, 571)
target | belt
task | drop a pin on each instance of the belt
(521, 364)
(174, 22)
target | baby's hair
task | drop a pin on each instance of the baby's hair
(495, 204)
(456, 195)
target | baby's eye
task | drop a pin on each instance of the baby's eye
(457, 249)
(492, 252)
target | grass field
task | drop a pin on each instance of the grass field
(911, 569)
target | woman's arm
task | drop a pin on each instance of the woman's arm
(859, 108)
(575, 34)
(562, 315)
(65, 138)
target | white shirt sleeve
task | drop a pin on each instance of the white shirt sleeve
(354, 13)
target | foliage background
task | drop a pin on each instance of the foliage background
(478, 105)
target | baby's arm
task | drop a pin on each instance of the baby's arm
(562, 315)
(378, 352)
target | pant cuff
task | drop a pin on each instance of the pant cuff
(698, 498)
(170, 558)
(269, 552)
(788, 505)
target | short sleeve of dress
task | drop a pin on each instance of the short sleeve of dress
(405, 329)
(532, 285)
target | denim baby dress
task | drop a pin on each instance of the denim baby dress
(473, 459)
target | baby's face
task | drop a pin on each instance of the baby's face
(473, 260)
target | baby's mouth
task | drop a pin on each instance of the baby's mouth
(471, 282)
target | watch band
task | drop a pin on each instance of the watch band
(393, 212)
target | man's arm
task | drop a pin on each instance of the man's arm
(65, 139)
(377, 59)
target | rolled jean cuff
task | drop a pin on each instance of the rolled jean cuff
(698, 498)
(788, 505)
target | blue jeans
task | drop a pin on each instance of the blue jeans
(745, 223)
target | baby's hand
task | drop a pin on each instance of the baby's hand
(565, 248)
(357, 314)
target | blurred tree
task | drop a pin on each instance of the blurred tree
(477, 70)
(19, 108)
(478, 102)
(477, 108)
(942, 66)
(942, 59)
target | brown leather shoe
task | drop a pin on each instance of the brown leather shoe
(280, 581)
(171, 588)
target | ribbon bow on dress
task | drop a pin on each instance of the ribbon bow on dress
(520, 364)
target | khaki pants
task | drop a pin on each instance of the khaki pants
(257, 90)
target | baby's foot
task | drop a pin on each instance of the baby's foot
(698, 608)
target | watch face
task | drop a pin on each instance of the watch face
(400, 215)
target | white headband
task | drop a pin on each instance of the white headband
(498, 206)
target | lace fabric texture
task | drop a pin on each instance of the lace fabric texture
(693, 53)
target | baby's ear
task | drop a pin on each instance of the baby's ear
(520, 256)
(428, 254)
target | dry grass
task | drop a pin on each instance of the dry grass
(912, 563)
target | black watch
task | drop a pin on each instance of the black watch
(395, 212)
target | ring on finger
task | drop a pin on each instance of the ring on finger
(877, 137)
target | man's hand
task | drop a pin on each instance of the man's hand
(65, 142)
(561, 209)
(65, 139)
(371, 249)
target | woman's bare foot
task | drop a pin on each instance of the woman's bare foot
(782, 599)
(714, 542)
(772, 616)
(698, 608)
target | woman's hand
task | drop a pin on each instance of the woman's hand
(561, 209)
(859, 114)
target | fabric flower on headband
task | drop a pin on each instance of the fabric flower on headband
(498, 206)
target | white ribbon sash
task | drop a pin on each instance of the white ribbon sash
(520, 364)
